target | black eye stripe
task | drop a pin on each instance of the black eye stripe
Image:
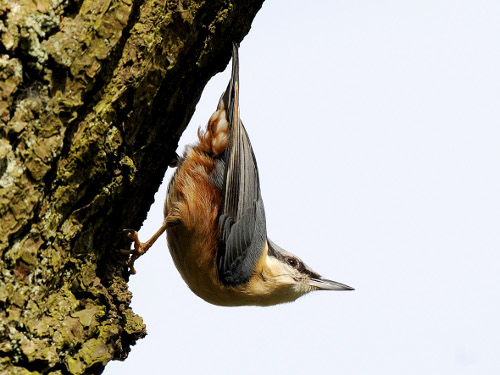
(301, 267)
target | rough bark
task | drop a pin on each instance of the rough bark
(94, 95)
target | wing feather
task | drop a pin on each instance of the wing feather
(241, 217)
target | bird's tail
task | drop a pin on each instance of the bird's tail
(230, 98)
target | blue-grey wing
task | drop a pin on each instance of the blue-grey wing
(242, 219)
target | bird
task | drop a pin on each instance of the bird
(215, 220)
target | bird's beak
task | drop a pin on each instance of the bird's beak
(325, 284)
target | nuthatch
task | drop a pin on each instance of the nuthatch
(215, 221)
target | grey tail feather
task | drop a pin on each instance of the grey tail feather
(229, 95)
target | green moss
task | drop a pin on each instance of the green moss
(95, 350)
(19, 297)
(75, 365)
(133, 323)
(30, 246)
(72, 331)
(88, 316)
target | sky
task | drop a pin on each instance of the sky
(376, 128)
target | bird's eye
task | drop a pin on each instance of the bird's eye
(292, 262)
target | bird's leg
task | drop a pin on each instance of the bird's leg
(140, 248)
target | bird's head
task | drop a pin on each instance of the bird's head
(284, 277)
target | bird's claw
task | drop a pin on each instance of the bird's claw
(139, 249)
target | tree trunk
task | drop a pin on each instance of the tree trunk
(94, 95)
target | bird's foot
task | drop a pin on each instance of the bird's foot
(139, 249)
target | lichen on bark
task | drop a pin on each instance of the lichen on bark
(94, 95)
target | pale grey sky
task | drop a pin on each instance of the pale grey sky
(376, 127)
